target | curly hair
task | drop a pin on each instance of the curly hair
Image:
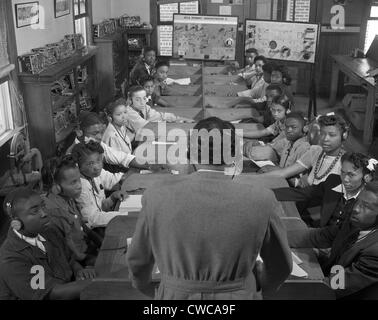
(286, 78)
(88, 119)
(334, 120)
(53, 169)
(282, 100)
(135, 89)
(298, 116)
(162, 63)
(110, 108)
(359, 161)
(81, 151)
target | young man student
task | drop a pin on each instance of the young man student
(92, 128)
(61, 177)
(153, 99)
(259, 83)
(32, 245)
(139, 113)
(279, 108)
(203, 251)
(288, 150)
(323, 159)
(96, 209)
(336, 195)
(144, 67)
(250, 69)
(354, 247)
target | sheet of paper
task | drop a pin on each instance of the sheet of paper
(133, 203)
(183, 82)
(296, 259)
(261, 164)
(167, 11)
(165, 40)
(189, 7)
(297, 271)
(163, 143)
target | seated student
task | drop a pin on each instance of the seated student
(287, 150)
(139, 113)
(95, 207)
(279, 108)
(32, 245)
(258, 85)
(92, 128)
(201, 250)
(354, 246)
(154, 100)
(250, 69)
(62, 179)
(324, 159)
(118, 135)
(336, 195)
(280, 75)
(145, 67)
(161, 76)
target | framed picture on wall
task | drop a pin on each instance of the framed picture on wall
(62, 8)
(27, 14)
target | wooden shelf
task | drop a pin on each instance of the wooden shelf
(59, 69)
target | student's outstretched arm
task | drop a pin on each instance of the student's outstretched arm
(255, 134)
(287, 172)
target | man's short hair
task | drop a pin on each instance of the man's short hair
(212, 125)
(82, 150)
(252, 50)
(162, 63)
(297, 115)
(88, 119)
(16, 197)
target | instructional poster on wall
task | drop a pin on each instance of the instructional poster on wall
(191, 7)
(204, 37)
(283, 40)
(165, 40)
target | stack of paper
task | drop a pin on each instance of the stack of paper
(183, 82)
(133, 203)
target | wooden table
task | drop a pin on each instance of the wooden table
(356, 69)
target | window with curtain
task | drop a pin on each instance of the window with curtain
(81, 17)
(6, 117)
(372, 25)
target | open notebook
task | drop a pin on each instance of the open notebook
(133, 203)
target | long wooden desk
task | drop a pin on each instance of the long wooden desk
(357, 69)
(112, 271)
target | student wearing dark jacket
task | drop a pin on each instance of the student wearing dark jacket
(35, 263)
(337, 195)
(354, 248)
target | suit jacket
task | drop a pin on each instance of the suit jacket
(315, 195)
(358, 258)
(204, 231)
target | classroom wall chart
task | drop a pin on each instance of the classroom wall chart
(205, 37)
(289, 41)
